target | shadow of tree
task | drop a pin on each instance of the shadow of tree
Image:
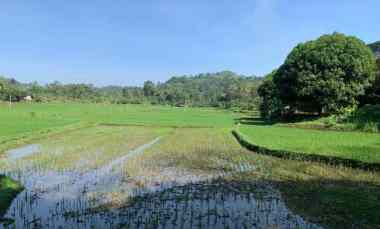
(257, 120)
(254, 121)
(334, 203)
(217, 203)
(326, 202)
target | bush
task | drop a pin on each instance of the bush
(367, 118)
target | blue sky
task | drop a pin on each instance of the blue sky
(125, 42)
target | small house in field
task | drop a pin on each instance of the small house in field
(28, 98)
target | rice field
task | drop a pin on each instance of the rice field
(153, 177)
(24, 118)
(132, 167)
(137, 166)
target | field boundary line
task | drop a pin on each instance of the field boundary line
(328, 160)
(157, 126)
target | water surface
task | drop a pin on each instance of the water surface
(105, 195)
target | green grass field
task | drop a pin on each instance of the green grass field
(22, 119)
(349, 145)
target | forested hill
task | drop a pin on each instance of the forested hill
(375, 48)
(222, 89)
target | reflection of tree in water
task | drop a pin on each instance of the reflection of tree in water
(216, 204)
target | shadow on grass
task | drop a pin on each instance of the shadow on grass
(257, 121)
(334, 203)
(329, 160)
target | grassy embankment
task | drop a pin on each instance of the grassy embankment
(329, 146)
(310, 140)
(8, 190)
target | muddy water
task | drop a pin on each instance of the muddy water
(107, 197)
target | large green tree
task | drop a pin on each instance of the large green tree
(372, 95)
(270, 105)
(325, 75)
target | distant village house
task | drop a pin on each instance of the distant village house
(28, 98)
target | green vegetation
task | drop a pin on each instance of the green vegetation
(324, 76)
(25, 120)
(223, 89)
(8, 190)
(104, 142)
(328, 195)
(372, 95)
(362, 147)
(320, 193)
(364, 119)
(312, 104)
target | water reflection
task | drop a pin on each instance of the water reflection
(107, 197)
(22, 152)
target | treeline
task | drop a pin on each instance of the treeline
(223, 89)
(334, 74)
(15, 91)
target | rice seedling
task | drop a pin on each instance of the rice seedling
(135, 176)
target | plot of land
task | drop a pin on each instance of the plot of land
(136, 175)
(350, 145)
(183, 171)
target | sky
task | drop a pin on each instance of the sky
(126, 42)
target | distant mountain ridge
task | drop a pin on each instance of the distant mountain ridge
(375, 47)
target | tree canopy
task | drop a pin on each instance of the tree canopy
(222, 89)
(325, 75)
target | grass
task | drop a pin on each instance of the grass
(8, 190)
(23, 120)
(364, 147)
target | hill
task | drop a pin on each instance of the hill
(221, 89)
(375, 48)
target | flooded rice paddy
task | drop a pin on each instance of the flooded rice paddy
(136, 177)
